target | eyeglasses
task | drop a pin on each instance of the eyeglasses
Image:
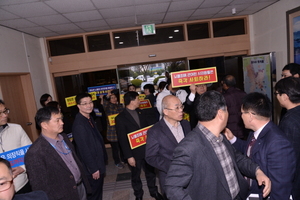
(6, 185)
(85, 104)
(6, 111)
(177, 109)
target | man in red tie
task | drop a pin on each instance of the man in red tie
(267, 146)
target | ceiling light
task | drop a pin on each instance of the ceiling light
(170, 37)
(176, 31)
(117, 37)
(120, 42)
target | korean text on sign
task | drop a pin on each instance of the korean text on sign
(16, 156)
(198, 76)
(138, 138)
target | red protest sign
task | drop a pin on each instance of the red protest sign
(145, 104)
(138, 138)
(197, 76)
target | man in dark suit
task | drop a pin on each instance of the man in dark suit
(90, 145)
(205, 166)
(51, 162)
(129, 120)
(288, 95)
(267, 146)
(165, 135)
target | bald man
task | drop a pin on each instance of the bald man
(233, 97)
(165, 135)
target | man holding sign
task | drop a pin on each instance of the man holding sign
(132, 119)
(12, 136)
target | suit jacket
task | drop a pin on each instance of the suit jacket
(35, 195)
(89, 145)
(275, 156)
(126, 124)
(48, 172)
(196, 173)
(160, 146)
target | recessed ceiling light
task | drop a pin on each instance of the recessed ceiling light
(176, 31)
(120, 42)
(170, 37)
(117, 37)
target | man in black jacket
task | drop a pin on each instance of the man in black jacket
(129, 120)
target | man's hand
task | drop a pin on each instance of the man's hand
(193, 88)
(229, 135)
(96, 175)
(17, 170)
(131, 161)
(262, 179)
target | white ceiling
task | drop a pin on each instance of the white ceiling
(44, 18)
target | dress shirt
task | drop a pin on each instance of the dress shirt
(177, 131)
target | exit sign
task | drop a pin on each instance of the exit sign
(148, 29)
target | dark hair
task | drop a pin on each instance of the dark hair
(291, 87)
(7, 163)
(150, 87)
(229, 80)
(81, 96)
(44, 114)
(294, 68)
(44, 98)
(53, 104)
(162, 85)
(2, 102)
(130, 96)
(208, 104)
(130, 86)
(259, 103)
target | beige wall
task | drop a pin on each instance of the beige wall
(24, 53)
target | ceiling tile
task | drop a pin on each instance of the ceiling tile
(12, 2)
(62, 27)
(184, 5)
(83, 16)
(179, 16)
(207, 11)
(122, 20)
(112, 4)
(91, 24)
(118, 12)
(238, 8)
(152, 8)
(146, 2)
(66, 6)
(4, 15)
(154, 18)
(214, 3)
(49, 20)
(30, 9)
(258, 6)
(17, 23)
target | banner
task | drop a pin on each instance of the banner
(70, 101)
(138, 138)
(15, 156)
(103, 89)
(197, 76)
(111, 119)
(144, 104)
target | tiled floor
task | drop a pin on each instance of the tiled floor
(120, 190)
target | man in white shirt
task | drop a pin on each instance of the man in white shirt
(12, 136)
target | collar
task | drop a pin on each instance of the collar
(3, 127)
(53, 141)
(170, 125)
(257, 132)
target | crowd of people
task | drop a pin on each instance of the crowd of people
(229, 148)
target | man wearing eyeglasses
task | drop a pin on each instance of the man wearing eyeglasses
(267, 146)
(90, 145)
(7, 189)
(13, 136)
(165, 135)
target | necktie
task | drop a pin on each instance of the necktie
(91, 123)
(253, 140)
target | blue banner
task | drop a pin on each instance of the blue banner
(16, 156)
(103, 89)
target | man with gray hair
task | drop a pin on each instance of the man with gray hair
(165, 135)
